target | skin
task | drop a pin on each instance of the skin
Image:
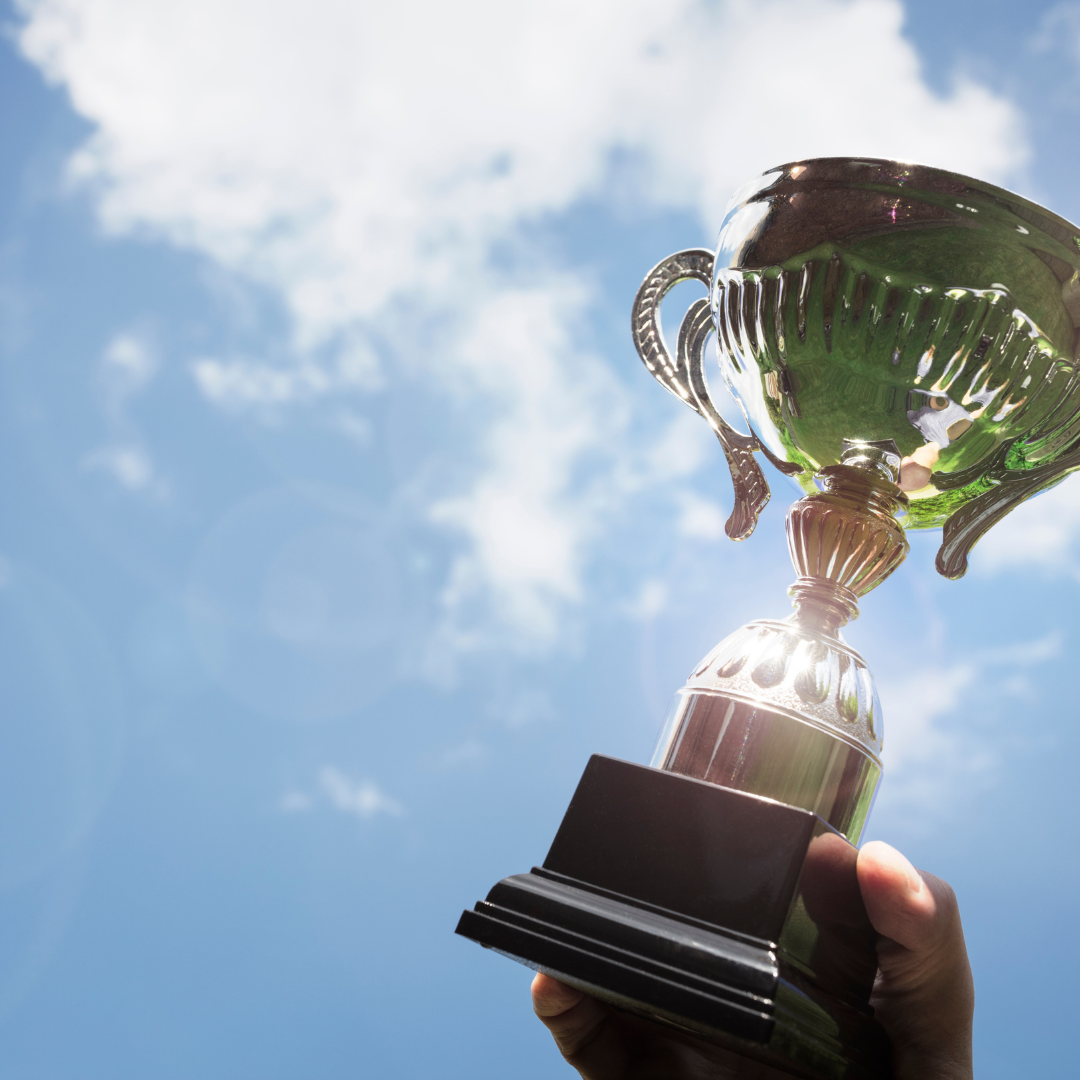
(924, 995)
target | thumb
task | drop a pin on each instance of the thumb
(924, 994)
(582, 1029)
(916, 910)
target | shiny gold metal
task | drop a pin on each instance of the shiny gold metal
(845, 540)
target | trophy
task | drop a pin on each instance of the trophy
(902, 342)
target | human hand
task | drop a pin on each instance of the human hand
(924, 996)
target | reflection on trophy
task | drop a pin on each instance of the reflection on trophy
(902, 342)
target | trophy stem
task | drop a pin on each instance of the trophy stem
(787, 709)
(845, 540)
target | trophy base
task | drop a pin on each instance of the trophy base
(729, 917)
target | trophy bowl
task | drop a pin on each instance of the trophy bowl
(884, 302)
(902, 342)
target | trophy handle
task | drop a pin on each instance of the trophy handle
(684, 376)
(967, 525)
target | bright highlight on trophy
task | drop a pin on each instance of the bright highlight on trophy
(902, 341)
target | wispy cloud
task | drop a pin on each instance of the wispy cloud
(699, 518)
(1059, 29)
(240, 385)
(361, 798)
(916, 707)
(472, 752)
(128, 364)
(1041, 535)
(936, 743)
(129, 464)
(364, 798)
(531, 510)
(365, 173)
(295, 802)
(651, 599)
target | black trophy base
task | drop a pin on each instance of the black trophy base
(732, 919)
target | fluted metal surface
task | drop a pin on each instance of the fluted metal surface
(786, 711)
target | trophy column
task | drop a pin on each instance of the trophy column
(714, 893)
(786, 709)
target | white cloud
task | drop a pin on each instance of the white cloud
(240, 384)
(354, 427)
(700, 519)
(472, 752)
(362, 160)
(914, 734)
(1040, 534)
(127, 366)
(529, 513)
(652, 598)
(680, 450)
(932, 749)
(130, 465)
(522, 706)
(295, 802)
(1059, 28)
(345, 151)
(363, 798)
(243, 384)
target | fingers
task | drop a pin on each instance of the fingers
(582, 1029)
(924, 995)
(552, 998)
(916, 910)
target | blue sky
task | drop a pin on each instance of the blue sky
(341, 522)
